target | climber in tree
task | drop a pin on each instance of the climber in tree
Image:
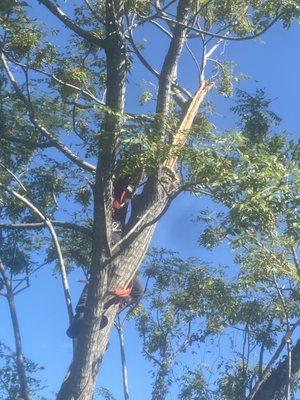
(124, 188)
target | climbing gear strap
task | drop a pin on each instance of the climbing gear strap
(121, 292)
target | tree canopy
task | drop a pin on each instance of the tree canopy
(83, 104)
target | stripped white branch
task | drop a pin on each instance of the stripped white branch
(48, 223)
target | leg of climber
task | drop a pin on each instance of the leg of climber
(74, 328)
(134, 296)
(137, 291)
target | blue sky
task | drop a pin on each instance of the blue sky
(271, 62)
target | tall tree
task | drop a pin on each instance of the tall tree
(65, 127)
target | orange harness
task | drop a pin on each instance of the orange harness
(120, 292)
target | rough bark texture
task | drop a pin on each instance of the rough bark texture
(111, 270)
(80, 381)
(92, 341)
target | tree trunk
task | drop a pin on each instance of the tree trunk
(111, 271)
(276, 383)
(92, 342)
(24, 391)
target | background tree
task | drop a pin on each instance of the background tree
(70, 97)
(254, 308)
(9, 382)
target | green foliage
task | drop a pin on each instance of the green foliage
(138, 6)
(145, 97)
(194, 387)
(248, 17)
(23, 40)
(13, 254)
(256, 117)
(76, 76)
(142, 145)
(189, 302)
(233, 385)
(226, 79)
(104, 394)
(45, 55)
(251, 175)
(76, 248)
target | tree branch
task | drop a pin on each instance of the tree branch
(182, 133)
(215, 35)
(257, 392)
(55, 10)
(178, 90)
(48, 223)
(14, 176)
(56, 143)
(17, 334)
(120, 330)
(38, 225)
(168, 71)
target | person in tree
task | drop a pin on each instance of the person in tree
(124, 189)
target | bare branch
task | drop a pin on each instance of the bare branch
(14, 176)
(215, 35)
(55, 10)
(38, 225)
(289, 369)
(169, 68)
(123, 358)
(161, 28)
(94, 12)
(153, 71)
(47, 222)
(195, 60)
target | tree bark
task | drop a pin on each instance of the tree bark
(276, 383)
(123, 360)
(112, 273)
(169, 68)
(92, 341)
(24, 390)
(109, 269)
